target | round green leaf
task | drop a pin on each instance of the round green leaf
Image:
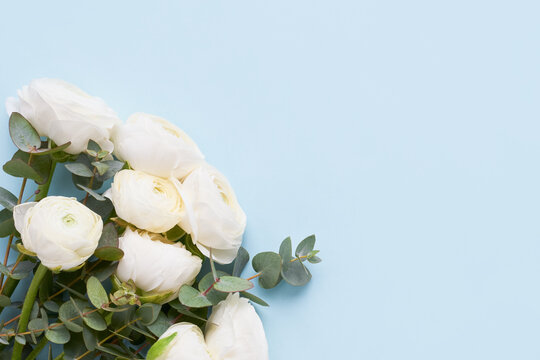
(191, 297)
(232, 284)
(7, 199)
(109, 253)
(268, 264)
(4, 301)
(67, 312)
(213, 295)
(148, 313)
(305, 246)
(96, 293)
(51, 306)
(94, 321)
(23, 134)
(295, 273)
(79, 169)
(58, 335)
(285, 250)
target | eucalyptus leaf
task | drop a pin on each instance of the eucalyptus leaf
(94, 194)
(90, 338)
(295, 273)
(68, 315)
(19, 168)
(51, 306)
(37, 168)
(114, 166)
(4, 301)
(285, 250)
(23, 134)
(253, 298)
(96, 293)
(7, 199)
(40, 152)
(305, 246)
(148, 313)
(191, 297)
(242, 258)
(58, 335)
(232, 284)
(94, 320)
(100, 167)
(268, 264)
(7, 226)
(79, 169)
(109, 253)
(159, 326)
(213, 295)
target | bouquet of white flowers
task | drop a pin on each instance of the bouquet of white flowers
(117, 274)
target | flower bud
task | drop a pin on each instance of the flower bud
(154, 145)
(212, 214)
(155, 265)
(146, 201)
(61, 231)
(63, 112)
(234, 331)
(186, 343)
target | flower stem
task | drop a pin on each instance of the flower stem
(37, 349)
(27, 307)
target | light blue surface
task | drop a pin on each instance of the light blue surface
(405, 134)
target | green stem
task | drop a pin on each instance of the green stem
(11, 283)
(37, 349)
(44, 188)
(59, 357)
(27, 307)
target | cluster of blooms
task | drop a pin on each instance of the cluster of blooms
(168, 184)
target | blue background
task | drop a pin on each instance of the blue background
(405, 134)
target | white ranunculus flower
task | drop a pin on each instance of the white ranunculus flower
(146, 201)
(63, 112)
(154, 145)
(61, 231)
(212, 214)
(155, 265)
(187, 344)
(234, 331)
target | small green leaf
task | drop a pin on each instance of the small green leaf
(58, 335)
(109, 253)
(37, 324)
(79, 169)
(159, 347)
(90, 338)
(4, 301)
(51, 306)
(314, 259)
(232, 284)
(19, 168)
(295, 273)
(305, 246)
(23, 134)
(242, 258)
(67, 312)
(20, 339)
(93, 146)
(100, 167)
(285, 249)
(268, 264)
(148, 313)
(94, 320)
(159, 326)
(191, 297)
(114, 166)
(7, 199)
(109, 236)
(94, 194)
(175, 234)
(96, 293)
(40, 152)
(253, 298)
(7, 226)
(213, 295)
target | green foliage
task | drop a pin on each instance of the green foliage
(191, 297)
(268, 264)
(108, 244)
(295, 273)
(36, 168)
(96, 293)
(148, 313)
(242, 258)
(207, 282)
(253, 298)
(305, 246)
(58, 334)
(7, 226)
(7, 199)
(230, 284)
(22, 133)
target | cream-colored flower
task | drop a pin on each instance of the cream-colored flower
(187, 344)
(63, 112)
(154, 145)
(234, 331)
(61, 231)
(146, 201)
(155, 265)
(212, 214)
